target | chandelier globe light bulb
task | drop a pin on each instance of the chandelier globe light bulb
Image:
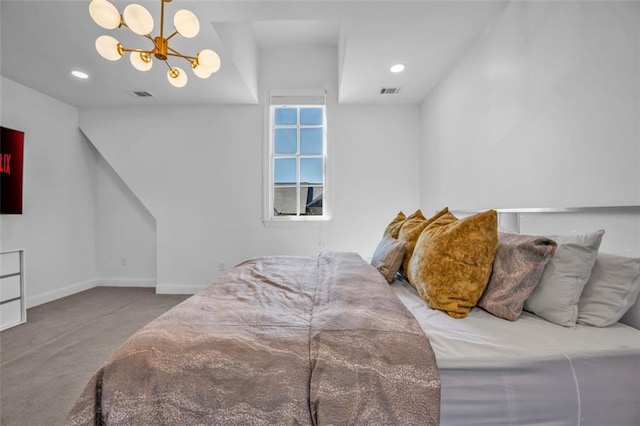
(138, 19)
(200, 71)
(177, 77)
(186, 23)
(141, 61)
(209, 60)
(109, 48)
(104, 14)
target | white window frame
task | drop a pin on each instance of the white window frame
(297, 99)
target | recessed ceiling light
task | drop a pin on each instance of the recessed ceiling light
(397, 68)
(79, 74)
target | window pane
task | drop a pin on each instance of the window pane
(311, 171)
(286, 116)
(311, 116)
(284, 170)
(286, 141)
(311, 141)
(284, 201)
(311, 200)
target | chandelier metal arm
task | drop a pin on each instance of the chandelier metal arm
(125, 49)
(173, 52)
(150, 52)
(174, 33)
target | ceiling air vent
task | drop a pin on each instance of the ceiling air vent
(142, 94)
(389, 90)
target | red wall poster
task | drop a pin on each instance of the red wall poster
(11, 155)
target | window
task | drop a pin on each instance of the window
(297, 159)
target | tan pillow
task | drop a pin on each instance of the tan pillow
(411, 230)
(393, 228)
(452, 261)
(388, 257)
(517, 270)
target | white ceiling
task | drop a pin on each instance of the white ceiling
(42, 41)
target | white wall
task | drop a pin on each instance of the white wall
(75, 208)
(57, 227)
(199, 172)
(125, 233)
(542, 111)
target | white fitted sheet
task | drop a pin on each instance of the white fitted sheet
(530, 371)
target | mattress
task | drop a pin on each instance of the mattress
(530, 371)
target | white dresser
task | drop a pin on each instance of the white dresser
(13, 310)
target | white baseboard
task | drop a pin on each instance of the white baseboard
(50, 296)
(125, 282)
(179, 288)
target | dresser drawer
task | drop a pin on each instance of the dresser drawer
(10, 288)
(10, 263)
(10, 314)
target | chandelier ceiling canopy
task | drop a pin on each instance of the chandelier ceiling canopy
(139, 20)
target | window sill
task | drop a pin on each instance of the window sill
(293, 220)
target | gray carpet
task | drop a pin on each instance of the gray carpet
(45, 363)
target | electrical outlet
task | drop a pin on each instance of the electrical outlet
(123, 261)
(222, 266)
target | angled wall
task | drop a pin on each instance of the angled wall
(125, 233)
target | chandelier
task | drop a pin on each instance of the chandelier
(139, 20)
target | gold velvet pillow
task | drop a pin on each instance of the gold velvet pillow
(393, 228)
(452, 261)
(410, 231)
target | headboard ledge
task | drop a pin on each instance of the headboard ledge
(623, 219)
(592, 209)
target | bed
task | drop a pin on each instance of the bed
(336, 339)
(554, 336)
(280, 340)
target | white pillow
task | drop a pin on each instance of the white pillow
(556, 296)
(612, 289)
